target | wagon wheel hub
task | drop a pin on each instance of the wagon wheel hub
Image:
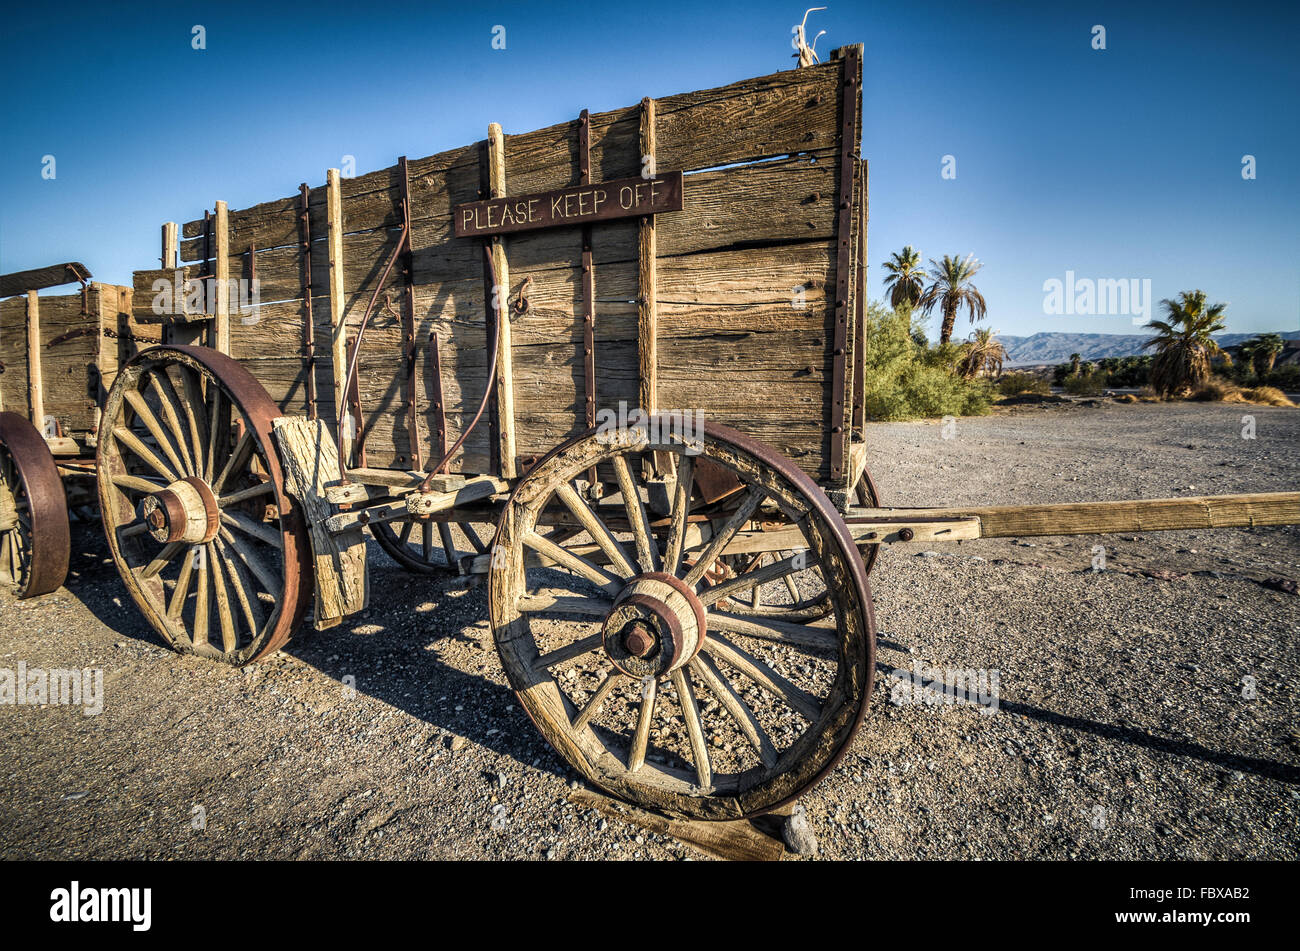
(655, 626)
(186, 511)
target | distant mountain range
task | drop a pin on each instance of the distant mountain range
(1057, 347)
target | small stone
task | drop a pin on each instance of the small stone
(458, 743)
(798, 833)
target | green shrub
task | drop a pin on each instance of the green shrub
(1284, 377)
(906, 380)
(1086, 384)
(1015, 383)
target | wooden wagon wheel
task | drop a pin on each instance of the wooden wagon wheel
(209, 544)
(796, 596)
(619, 654)
(430, 547)
(34, 536)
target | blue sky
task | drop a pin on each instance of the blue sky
(1116, 163)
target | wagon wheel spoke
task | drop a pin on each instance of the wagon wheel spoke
(162, 385)
(760, 673)
(597, 699)
(731, 713)
(694, 728)
(144, 453)
(641, 738)
(754, 577)
(597, 529)
(646, 552)
(411, 543)
(145, 414)
(753, 498)
(681, 512)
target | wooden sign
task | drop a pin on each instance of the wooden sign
(577, 205)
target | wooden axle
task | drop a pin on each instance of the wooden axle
(1097, 518)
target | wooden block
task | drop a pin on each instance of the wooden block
(742, 840)
(428, 503)
(310, 462)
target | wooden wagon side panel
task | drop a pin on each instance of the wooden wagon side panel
(746, 272)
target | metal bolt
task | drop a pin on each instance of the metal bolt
(906, 534)
(638, 639)
(157, 519)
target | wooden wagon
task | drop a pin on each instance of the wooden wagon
(615, 365)
(59, 356)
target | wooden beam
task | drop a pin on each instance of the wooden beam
(647, 279)
(338, 316)
(221, 321)
(505, 364)
(35, 383)
(20, 282)
(1099, 518)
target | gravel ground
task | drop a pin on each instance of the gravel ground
(1125, 724)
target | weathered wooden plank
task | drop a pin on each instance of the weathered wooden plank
(35, 378)
(20, 282)
(337, 309)
(310, 463)
(781, 114)
(221, 313)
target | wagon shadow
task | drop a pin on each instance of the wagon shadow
(1282, 772)
(392, 650)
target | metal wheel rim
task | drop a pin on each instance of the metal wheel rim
(430, 553)
(35, 546)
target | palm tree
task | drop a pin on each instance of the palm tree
(1184, 343)
(981, 353)
(950, 289)
(1074, 364)
(906, 277)
(1261, 351)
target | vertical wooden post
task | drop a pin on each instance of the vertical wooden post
(169, 259)
(35, 383)
(647, 282)
(338, 321)
(221, 318)
(170, 246)
(501, 298)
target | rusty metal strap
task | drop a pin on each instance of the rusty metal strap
(427, 484)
